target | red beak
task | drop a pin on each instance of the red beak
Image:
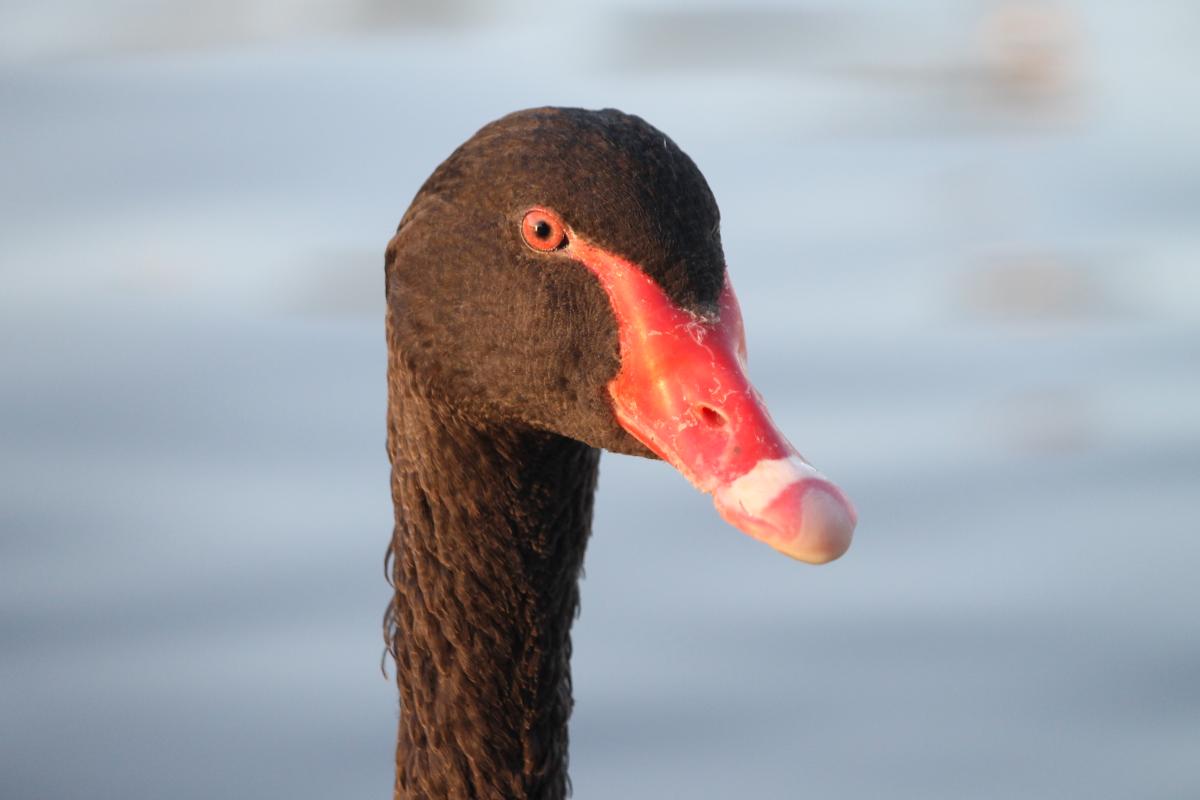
(683, 392)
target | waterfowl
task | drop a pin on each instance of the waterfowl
(556, 288)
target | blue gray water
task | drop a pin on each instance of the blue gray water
(966, 239)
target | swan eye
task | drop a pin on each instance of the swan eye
(543, 230)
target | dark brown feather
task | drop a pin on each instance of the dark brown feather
(499, 358)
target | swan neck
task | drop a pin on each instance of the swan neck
(490, 527)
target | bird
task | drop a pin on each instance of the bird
(557, 287)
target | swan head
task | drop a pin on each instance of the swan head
(563, 270)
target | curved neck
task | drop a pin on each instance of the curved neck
(490, 528)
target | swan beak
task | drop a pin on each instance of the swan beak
(682, 391)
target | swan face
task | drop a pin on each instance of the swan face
(563, 270)
(517, 336)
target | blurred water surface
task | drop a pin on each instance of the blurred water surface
(965, 239)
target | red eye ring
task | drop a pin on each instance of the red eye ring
(543, 230)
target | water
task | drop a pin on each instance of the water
(966, 258)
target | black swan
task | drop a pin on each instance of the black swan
(557, 287)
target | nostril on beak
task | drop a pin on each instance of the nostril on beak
(710, 416)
